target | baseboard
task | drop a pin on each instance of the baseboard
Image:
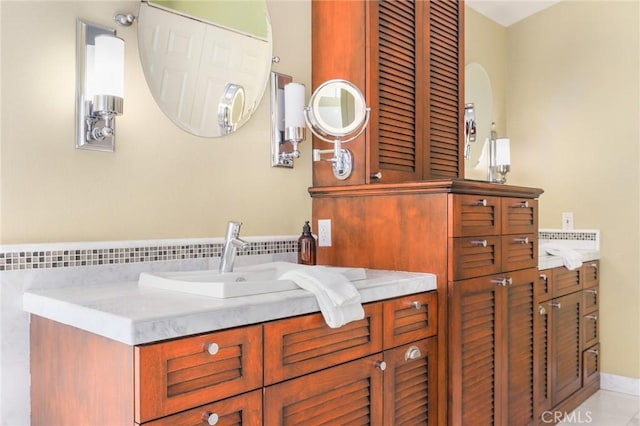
(620, 384)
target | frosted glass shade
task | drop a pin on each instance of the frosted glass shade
(503, 152)
(294, 105)
(108, 67)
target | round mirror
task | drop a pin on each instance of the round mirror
(207, 63)
(477, 90)
(337, 109)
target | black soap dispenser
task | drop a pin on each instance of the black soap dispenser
(306, 246)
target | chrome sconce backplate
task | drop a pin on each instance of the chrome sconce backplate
(95, 117)
(284, 140)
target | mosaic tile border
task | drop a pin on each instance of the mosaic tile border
(576, 235)
(69, 258)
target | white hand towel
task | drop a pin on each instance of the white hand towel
(338, 299)
(571, 259)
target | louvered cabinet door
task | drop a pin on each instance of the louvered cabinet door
(410, 384)
(521, 346)
(566, 360)
(349, 394)
(543, 355)
(477, 346)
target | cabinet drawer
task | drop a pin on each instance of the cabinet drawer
(590, 272)
(410, 318)
(590, 300)
(475, 215)
(519, 216)
(590, 330)
(348, 394)
(591, 365)
(301, 345)
(565, 281)
(245, 409)
(473, 257)
(181, 374)
(544, 285)
(519, 251)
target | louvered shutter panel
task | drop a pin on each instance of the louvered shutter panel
(443, 158)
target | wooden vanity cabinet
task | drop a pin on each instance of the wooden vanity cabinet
(373, 377)
(567, 338)
(407, 59)
(382, 367)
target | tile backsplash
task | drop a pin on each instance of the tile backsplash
(108, 253)
(585, 239)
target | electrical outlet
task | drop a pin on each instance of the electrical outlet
(567, 221)
(324, 232)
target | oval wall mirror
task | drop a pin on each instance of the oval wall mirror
(207, 63)
(477, 90)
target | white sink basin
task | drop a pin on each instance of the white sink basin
(244, 281)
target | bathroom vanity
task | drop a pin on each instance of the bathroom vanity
(122, 354)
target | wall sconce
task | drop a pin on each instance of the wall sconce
(499, 157)
(288, 127)
(99, 85)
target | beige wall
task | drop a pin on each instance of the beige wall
(573, 114)
(161, 182)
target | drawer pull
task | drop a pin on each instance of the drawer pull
(377, 175)
(521, 204)
(544, 277)
(381, 365)
(212, 348)
(415, 304)
(521, 240)
(502, 282)
(594, 266)
(592, 317)
(479, 243)
(592, 291)
(594, 351)
(210, 418)
(482, 203)
(555, 305)
(412, 353)
(542, 310)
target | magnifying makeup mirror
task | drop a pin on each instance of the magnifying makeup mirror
(337, 113)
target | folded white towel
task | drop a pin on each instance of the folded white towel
(571, 259)
(339, 300)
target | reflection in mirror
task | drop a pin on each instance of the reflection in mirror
(192, 56)
(337, 113)
(479, 92)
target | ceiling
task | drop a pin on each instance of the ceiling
(507, 12)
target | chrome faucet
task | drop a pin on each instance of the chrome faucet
(231, 243)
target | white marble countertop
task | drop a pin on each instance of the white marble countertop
(546, 261)
(135, 315)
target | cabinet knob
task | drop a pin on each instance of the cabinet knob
(412, 353)
(522, 204)
(592, 291)
(555, 305)
(544, 277)
(542, 310)
(376, 175)
(381, 365)
(521, 240)
(416, 304)
(502, 282)
(593, 351)
(482, 203)
(479, 243)
(594, 266)
(592, 317)
(212, 348)
(210, 418)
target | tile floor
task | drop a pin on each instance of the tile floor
(606, 408)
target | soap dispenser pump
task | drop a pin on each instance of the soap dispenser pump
(306, 246)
